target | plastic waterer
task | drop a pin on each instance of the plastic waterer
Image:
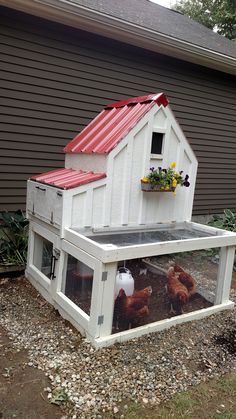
(125, 281)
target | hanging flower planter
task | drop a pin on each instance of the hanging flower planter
(164, 180)
(149, 187)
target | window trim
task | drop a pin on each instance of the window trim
(159, 131)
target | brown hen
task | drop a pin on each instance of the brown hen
(186, 279)
(177, 292)
(131, 310)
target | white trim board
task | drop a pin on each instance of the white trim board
(160, 325)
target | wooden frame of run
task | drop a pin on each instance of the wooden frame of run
(103, 259)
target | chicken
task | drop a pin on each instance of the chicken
(131, 310)
(186, 279)
(178, 292)
(143, 294)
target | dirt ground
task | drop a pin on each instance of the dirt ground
(22, 393)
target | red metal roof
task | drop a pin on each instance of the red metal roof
(67, 178)
(109, 127)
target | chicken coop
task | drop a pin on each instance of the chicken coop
(111, 245)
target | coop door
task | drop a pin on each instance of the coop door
(78, 273)
(43, 256)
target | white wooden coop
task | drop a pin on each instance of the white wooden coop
(91, 217)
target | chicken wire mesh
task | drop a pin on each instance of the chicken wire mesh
(166, 286)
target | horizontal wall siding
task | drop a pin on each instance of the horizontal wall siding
(54, 80)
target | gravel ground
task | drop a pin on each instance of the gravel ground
(148, 370)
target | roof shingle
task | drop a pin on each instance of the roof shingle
(162, 20)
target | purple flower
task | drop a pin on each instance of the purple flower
(160, 169)
(157, 178)
(152, 169)
(181, 171)
(186, 183)
(186, 177)
(164, 170)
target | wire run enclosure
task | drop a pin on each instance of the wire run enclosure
(90, 220)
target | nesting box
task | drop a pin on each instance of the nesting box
(101, 213)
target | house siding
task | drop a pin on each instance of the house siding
(55, 79)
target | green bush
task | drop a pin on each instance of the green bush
(14, 238)
(227, 221)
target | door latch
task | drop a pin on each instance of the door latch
(54, 258)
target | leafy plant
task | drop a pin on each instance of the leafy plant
(59, 396)
(14, 238)
(227, 221)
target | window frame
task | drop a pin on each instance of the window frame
(163, 132)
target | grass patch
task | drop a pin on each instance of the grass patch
(213, 400)
(183, 405)
(228, 385)
(134, 410)
(227, 414)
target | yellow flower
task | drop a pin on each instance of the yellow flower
(174, 183)
(173, 165)
(145, 179)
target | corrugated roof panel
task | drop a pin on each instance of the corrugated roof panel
(67, 178)
(113, 124)
(96, 123)
(118, 119)
(123, 128)
(103, 132)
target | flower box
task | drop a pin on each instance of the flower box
(148, 187)
(164, 180)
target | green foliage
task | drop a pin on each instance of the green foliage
(14, 238)
(59, 396)
(228, 385)
(184, 404)
(227, 221)
(219, 15)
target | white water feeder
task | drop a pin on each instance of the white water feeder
(125, 281)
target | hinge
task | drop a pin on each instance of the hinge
(104, 276)
(100, 320)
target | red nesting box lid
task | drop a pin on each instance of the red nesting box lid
(67, 178)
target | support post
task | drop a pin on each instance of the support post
(107, 306)
(224, 274)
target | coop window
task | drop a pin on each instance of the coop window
(79, 283)
(43, 252)
(157, 143)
